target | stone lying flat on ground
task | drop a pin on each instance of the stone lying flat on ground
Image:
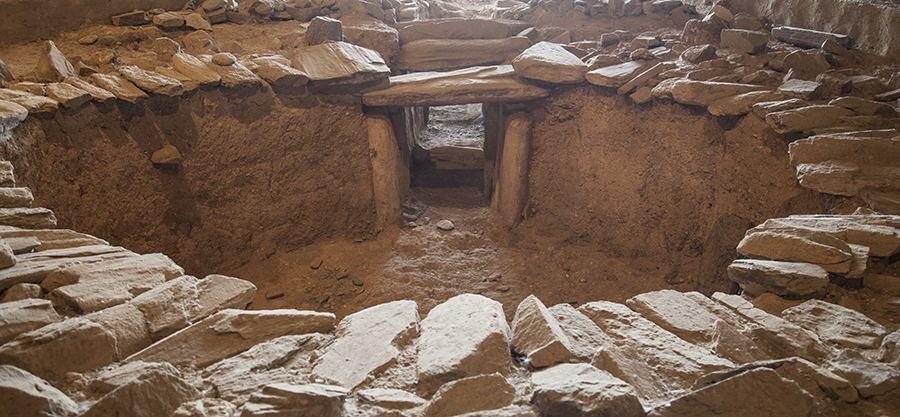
(51, 239)
(451, 54)
(860, 150)
(742, 104)
(297, 400)
(151, 82)
(135, 18)
(881, 239)
(753, 393)
(18, 317)
(280, 75)
(230, 332)
(470, 85)
(91, 287)
(869, 377)
(789, 279)
(206, 407)
(837, 324)
(746, 41)
(802, 89)
(24, 394)
(233, 76)
(15, 197)
(798, 245)
(144, 390)
(34, 103)
(98, 94)
(456, 28)
(537, 335)
(846, 178)
(808, 38)
(120, 87)
(73, 345)
(704, 93)
(549, 62)
(582, 390)
(336, 67)
(677, 313)
(585, 338)
(28, 218)
(865, 107)
(464, 336)
(166, 155)
(615, 75)
(368, 342)
(34, 267)
(52, 64)
(393, 399)
(67, 95)
(466, 395)
(11, 114)
(195, 69)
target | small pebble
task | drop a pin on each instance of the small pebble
(446, 225)
(316, 263)
(274, 294)
(88, 40)
(356, 281)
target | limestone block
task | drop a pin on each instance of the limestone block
(206, 407)
(798, 245)
(18, 317)
(511, 194)
(808, 38)
(793, 279)
(456, 28)
(34, 103)
(120, 87)
(142, 390)
(151, 82)
(135, 18)
(805, 90)
(615, 75)
(322, 29)
(550, 62)
(21, 292)
(746, 41)
(837, 324)
(742, 104)
(280, 75)
(466, 395)
(168, 20)
(699, 53)
(584, 337)
(806, 65)
(11, 114)
(340, 67)
(580, 389)
(869, 377)
(98, 95)
(67, 95)
(28, 218)
(34, 267)
(865, 107)
(52, 65)
(24, 394)
(195, 69)
(846, 178)
(309, 400)
(704, 93)
(451, 54)
(537, 334)
(392, 399)
(52, 239)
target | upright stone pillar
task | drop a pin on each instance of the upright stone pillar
(512, 191)
(387, 171)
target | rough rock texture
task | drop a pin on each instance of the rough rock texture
(585, 338)
(549, 62)
(837, 324)
(322, 29)
(794, 279)
(151, 82)
(798, 245)
(52, 65)
(869, 377)
(18, 317)
(310, 400)
(465, 336)
(582, 390)
(195, 69)
(142, 390)
(537, 335)
(704, 93)
(340, 67)
(466, 395)
(24, 394)
(615, 75)
(120, 87)
(457, 29)
(451, 54)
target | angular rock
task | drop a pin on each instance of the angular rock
(68, 95)
(280, 75)
(7, 256)
(808, 38)
(11, 114)
(798, 245)
(322, 29)
(7, 179)
(21, 292)
(168, 20)
(704, 93)
(465, 336)
(846, 178)
(790, 279)
(881, 239)
(869, 377)
(5, 75)
(98, 94)
(699, 53)
(135, 18)
(368, 343)
(471, 85)
(837, 324)
(804, 118)
(230, 332)
(196, 22)
(152, 82)
(585, 338)
(706, 31)
(341, 67)
(645, 77)
(234, 75)
(166, 155)
(756, 392)
(746, 41)
(142, 390)
(34, 267)
(615, 75)
(18, 317)
(34, 103)
(189, 84)
(805, 90)
(206, 407)
(764, 108)
(165, 48)
(476, 393)
(120, 87)
(310, 400)
(50, 239)
(865, 107)
(806, 65)
(15, 197)
(52, 64)
(24, 394)
(28, 218)
(677, 313)
(550, 62)
(583, 390)
(393, 399)
(742, 104)
(455, 28)
(195, 69)
(537, 334)
(451, 54)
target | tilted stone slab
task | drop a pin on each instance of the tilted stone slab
(859, 150)
(798, 245)
(537, 334)
(52, 65)
(805, 118)
(451, 54)
(34, 267)
(847, 178)
(22, 316)
(837, 324)
(808, 38)
(29, 218)
(585, 338)
(235, 75)
(34, 103)
(142, 390)
(881, 240)
(470, 85)
(472, 394)
(195, 69)
(15, 197)
(669, 363)
(742, 104)
(392, 399)
(230, 332)
(615, 75)
(24, 394)
(368, 343)
(98, 95)
(123, 89)
(280, 75)
(786, 279)
(704, 93)
(340, 67)
(550, 62)
(297, 400)
(11, 114)
(67, 95)
(869, 377)
(579, 389)
(464, 336)
(457, 28)
(151, 82)
(52, 239)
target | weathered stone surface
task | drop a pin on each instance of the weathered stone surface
(195, 69)
(34, 103)
(322, 29)
(230, 332)
(206, 407)
(21, 292)
(120, 87)
(151, 82)
(865, 107)
(15, 197)
(583, 390)
(52, 64)
(869, 377)
(196, 22)
(368, 343)
(699, 53)
(98, 95)
(7, 256)
(477, 393)
(706, 31)
(860, 150)
(471, 85)
(310, 400)
(50, 239)
(34, 267)
(550, 62)
(451, 54)
(280, 75)
(806, 65)
(465, 336)
(615, 75)
(7, 179)
(142, 390)
(166, 155)
(764, 108)
(223, 59)
(18, 317)
(24, 394)
(168, 20)
(537, 334)
(643, 78)
(794, 279)
(235, 75)
(741, 104)
(756, 392)
(805, 90)
(882, 240)
(29, 218)
(91, 287)
(654, 361)
(67, 95)
(808, 38)
(135, 18)
(837, 324)
(456, 28)
(746, 41)
(73, 345)
(704, 93)
(11, 114)
(798, 245)
(393, 399)
(189, 84)
(340, 67)
(585, 338)
(846, 178)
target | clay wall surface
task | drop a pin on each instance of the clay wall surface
(260, 172)
(28, 20)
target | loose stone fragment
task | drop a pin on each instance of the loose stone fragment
(196, 22)
(280, 75)
(615, 75)
(537, 334)
(582, 390)
(393, 399)
(168, 20)
(15, 197)
(297, 400)
(808, 38)
(477, 393)
(704, 93)
(457, 29)
(11, 114)
(322, 29)
(865, 107)
(746, 41)
(28, 218)
(798, 245)
(18, 317)
(585, 338)
(52, 64)
(195, 69)
(120, 87)
(742, 104)
(837, 324)
(806, 65)
(869, 377)
(451, 54)
(166, 155)
(68, 95)
(48, 239)
(465, 336)
(234, 75)
(20, 292)
(445, 225)
(99, 95)
(809, 117)
(549, 62)
(34, 267)
(645, 77)
(790, 279)
(805, 90)
(24, 394)
(142, 390)
(135, 18)
(152, 82)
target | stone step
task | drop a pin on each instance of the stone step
(28, 218)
